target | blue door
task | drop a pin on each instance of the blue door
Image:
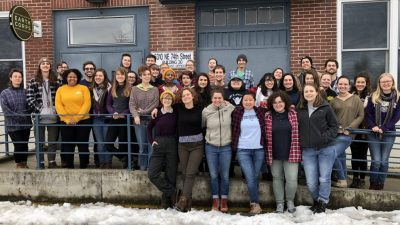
(260, 30)
(102, 36)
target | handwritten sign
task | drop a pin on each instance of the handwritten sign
(175, 59)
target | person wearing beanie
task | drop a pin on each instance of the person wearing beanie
(169, 76)
(242, 72)
(165, 149)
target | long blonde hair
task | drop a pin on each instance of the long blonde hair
(376, 95)
(126, 88)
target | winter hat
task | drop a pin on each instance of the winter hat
(167, 92)
(169, 70)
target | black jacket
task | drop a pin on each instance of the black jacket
(320, 129)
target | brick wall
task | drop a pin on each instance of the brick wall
(171, 27)
(313, 32)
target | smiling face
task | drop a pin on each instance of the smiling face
(186, 81)
(72, 79)
(279, 105)
(236, 84)
(126, 61)
(361, 84)
(241, 63)
(187, 97)
(288, 83)
(309, 93)
(278, 74)
(89, 70)
(146, 77)
(305, 64)
(309, 79)
(16, 79)
(99, 77)
(219, 74)
(190, 66)
(343, 85)
(326, 81)
(119, 77)
(386, 83)
(269, 83)
(248, 102)
(212, 63)
(131, 78)
(331, 68)
(202, 81)
(167, 100)
(45, 67)
(217, 99)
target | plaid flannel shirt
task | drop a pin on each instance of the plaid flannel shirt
(237, 116)
(248, 77)
(34, 93)
(15, 108)
(295, 150)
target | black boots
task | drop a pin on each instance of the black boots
(318, 207)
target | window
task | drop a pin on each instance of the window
(365, 38)
(90, 31)
(264, 15)
(219, 17)
(11, 51)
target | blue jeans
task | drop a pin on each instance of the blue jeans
(100, 131)
(145, 148)
(318, 165)
(380, 153)
(251, 161)
(342, 142)
(219, 161)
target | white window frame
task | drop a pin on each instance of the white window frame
(6, 14)
(393, 33)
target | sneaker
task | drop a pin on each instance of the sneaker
(255, 208)
(290, 206)
(215, 204)
(279, 208)
(42, 166)
(340, 184)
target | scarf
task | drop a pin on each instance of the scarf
(386, 105)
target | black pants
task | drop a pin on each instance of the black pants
(119, 132)
(165, 153)
(70, 134)
(20, 149)
(359, 153)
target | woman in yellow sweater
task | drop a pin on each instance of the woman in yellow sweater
(73, 105)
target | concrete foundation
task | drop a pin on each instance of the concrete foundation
(133, 187)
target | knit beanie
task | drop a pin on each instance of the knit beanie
(167, 92)
(169, 70)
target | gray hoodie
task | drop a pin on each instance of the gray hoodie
(217, 121)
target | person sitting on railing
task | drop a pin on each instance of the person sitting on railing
(41, 93)
(382, 113)
(17, 121)
(73, 105)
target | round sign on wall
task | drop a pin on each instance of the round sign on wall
(21, 23)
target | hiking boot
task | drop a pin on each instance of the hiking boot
(52, 165)
(315, 204)
(184, 204)
(224, 205)
(215, 204)
(290, 206)
(279, 208)
(355, 183)
(22, 165)
(165, 201)
(321, 207)
(340, 184)
(255, 208)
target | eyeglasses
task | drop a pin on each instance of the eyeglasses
(131, 77)
(170, 75)
(89, 68)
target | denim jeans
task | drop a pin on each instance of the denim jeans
(318, 165)
(251, 161)
(219, 161)
(284, 180)
(144, 146)
(380, 153)
(342, 142)
(100, 131)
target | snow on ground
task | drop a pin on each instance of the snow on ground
(26, 212)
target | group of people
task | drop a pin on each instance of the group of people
(284, 123)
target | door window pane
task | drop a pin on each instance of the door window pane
(365, 25)
(102, 31)
(251, 16)
(277, 15)
(232, 17)
(219, 17)
(355, 62)
(207, 18)
(263, 15)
